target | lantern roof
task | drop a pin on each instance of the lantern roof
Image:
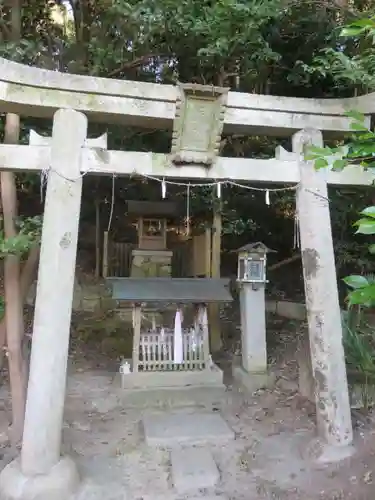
(257, 247)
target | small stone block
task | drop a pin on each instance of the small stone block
(252, 382)
(193, 469)
(181, 428)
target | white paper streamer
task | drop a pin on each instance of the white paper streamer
(163, 189)
(218, 189)
(163, 343)
(193, 337)
(178, 352)
(297, 234)
(202, 316)
(268, 198)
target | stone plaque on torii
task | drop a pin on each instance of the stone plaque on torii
(69, 155)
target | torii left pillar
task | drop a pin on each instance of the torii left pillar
(40, 472)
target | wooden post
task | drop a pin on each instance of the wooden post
(206, 347)
(214, 309)
(97, 238)
(137, 320)
(207, 248)
(105, 254)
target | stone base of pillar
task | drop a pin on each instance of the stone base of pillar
(323, 453)
(59, 484)
(331, 454)
(252, 382)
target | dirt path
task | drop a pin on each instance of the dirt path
(270, 458)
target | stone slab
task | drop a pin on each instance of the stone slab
(193, 469)
(209, 497)
(171, 429)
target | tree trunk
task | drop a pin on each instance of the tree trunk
(13, 300)
(27, 278)
(214, 309)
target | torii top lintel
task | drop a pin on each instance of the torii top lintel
(37, 92)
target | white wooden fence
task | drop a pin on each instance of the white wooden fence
(156, 351)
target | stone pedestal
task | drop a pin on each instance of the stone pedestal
(252, 382)
(252, 372)
(253, 328)
(151, 264)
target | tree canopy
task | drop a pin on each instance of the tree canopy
(279, 47)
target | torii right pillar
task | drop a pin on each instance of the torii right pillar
(322, 304)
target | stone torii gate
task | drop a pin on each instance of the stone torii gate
(40, 471)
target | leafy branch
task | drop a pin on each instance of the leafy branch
(29, 231)
(359, 151)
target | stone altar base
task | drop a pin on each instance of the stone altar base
(210, 377)
(174, 397)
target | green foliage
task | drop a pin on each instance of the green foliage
(361, 151)
(358, 342)
(356, 69)
(352, 60)
(249, 45)
(2, 308)
(359, 346)
(363, 290)
(360, 27)
(29, 231)
(358, 338)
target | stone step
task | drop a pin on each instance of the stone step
(176, 428)
(172, 398)
(193, 469)
(209, 497)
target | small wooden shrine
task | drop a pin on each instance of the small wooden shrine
(166, 355)
(151, 258)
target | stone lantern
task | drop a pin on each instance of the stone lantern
(251, 279)
(252, 260)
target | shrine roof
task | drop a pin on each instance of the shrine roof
(172, 290)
